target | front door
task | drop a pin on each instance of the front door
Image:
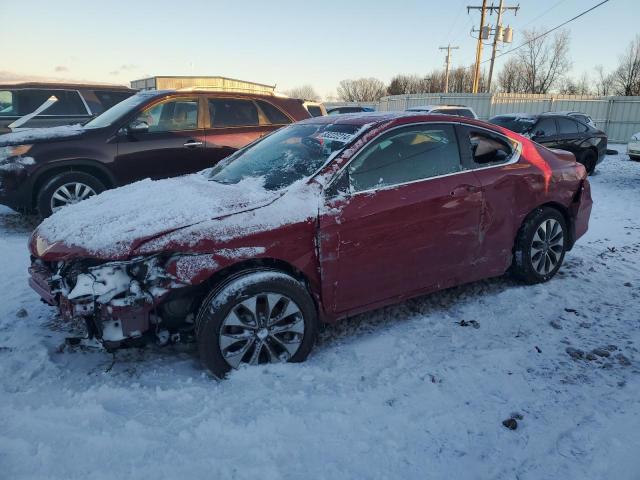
(409, 222)
(173, 144)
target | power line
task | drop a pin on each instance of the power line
(549, 31)
(542, 14)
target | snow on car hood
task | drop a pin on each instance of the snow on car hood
(116, 222)
(35, 135)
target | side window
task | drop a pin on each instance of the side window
(174, 115)
(69, 102)
(404, 155)
(7, 105)
(583, 127)
(545, 127)
(465, 112)
(567, 126)
(273, 114)
(488, 149)
(314, 110)
(229, 112)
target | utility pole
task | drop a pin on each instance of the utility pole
(497, 37)
(448, 48)
(483, 34)
(476, 73)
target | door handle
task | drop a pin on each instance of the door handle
(462, 189)
(192, 143)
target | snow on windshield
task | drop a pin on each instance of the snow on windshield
(286, 156)
(30, 134)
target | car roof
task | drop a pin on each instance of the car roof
(373, 118)
(517, 115)
(565, 112)
(70, 86)
(432, 107)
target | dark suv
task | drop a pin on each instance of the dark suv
(563, 132)
(76, 103)
(153, 134)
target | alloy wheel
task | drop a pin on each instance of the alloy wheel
(70, 193)
(547, 246)
(264, 328)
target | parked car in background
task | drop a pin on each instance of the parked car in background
(348, 109)
(554, 130)
(633, 147)
(319, 221)
(76, 103)
(583, 117)
(315, 109)
(153, 134)
(459, 110)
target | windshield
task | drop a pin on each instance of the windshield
(286, 156)
(515, 124)
(117, 111)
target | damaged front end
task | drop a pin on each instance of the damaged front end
(122, 303)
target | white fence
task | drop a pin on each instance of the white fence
(619, 117)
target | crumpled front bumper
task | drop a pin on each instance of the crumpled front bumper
(109, 322)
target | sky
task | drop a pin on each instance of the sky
(285, 43)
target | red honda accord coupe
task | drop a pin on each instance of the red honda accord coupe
(323, 219)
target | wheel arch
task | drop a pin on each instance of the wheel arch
(219, 278)
(564, 211)
(88, 166)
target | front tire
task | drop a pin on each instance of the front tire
(540, 246)
(65, 189)
(258, 316)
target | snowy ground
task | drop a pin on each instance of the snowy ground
(405, 392)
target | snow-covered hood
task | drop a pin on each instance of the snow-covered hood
(115, 223)
(40, 135)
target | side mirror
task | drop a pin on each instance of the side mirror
(138, 126)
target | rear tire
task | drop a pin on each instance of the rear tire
(65, 189)
(589, 159)
(256, 316)
(540, 246)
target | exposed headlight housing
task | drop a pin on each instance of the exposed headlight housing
(14, 151)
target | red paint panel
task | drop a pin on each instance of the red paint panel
(397, 241)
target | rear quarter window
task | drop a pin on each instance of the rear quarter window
(314, 110)
(230, 112)
(273, 113)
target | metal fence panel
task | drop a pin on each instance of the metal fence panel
(619, 117)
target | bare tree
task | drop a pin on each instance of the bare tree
(571, 86)
(544, 60)
(511, 77)
(403, 84)
(604, 82)
(626, 77)
(305, 92)
(361, 90)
